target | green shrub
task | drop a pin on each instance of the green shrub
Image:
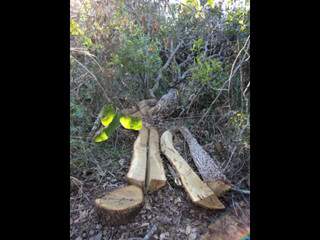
(138, 55)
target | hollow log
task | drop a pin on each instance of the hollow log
(156, 177)
(198, 191)
(120, 205)
(209, 168)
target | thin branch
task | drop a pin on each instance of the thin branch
(213, 102)
(95, 78)
(232, 72)
(156, 85)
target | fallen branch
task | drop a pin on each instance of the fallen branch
(209, 168)
(199, 192)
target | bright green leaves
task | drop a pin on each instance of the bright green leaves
(111, 120)
(101, 136)
(106, 132)
(208, 71)
(197, 45)
(138, 55)
(108, 114)
(210, 3)
(132, 123)
(76, 31)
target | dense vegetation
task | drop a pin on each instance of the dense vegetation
(124, 51)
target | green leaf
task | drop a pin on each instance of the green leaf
(102, 136)
(211, 3)
(133, 123)
(106, 132)
(108, 114)
(75, 29)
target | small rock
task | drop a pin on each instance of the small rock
(144, 224)
(84, 234)
(197, 222)
(147, 204)
(164, 235)
(98, 236)
(104, 232)
(91, 232)
(79, 238)
(188, 229)
(192, 236)
(121, 161)
(98, 226)
(177, 200)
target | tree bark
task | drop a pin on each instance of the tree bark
(198, 191)
(209, 168)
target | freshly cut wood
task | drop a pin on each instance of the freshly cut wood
(137, 171)
(156, 177)
(120, 205)
(198, 191)
(209, 168)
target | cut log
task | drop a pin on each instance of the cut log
(209, 168)
(137, 171)
(156, 177)
(198, 191)
(166, 105)
(120, 205)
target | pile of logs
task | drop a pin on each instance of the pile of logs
(146, 173)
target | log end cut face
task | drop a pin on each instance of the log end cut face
(120, 205)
